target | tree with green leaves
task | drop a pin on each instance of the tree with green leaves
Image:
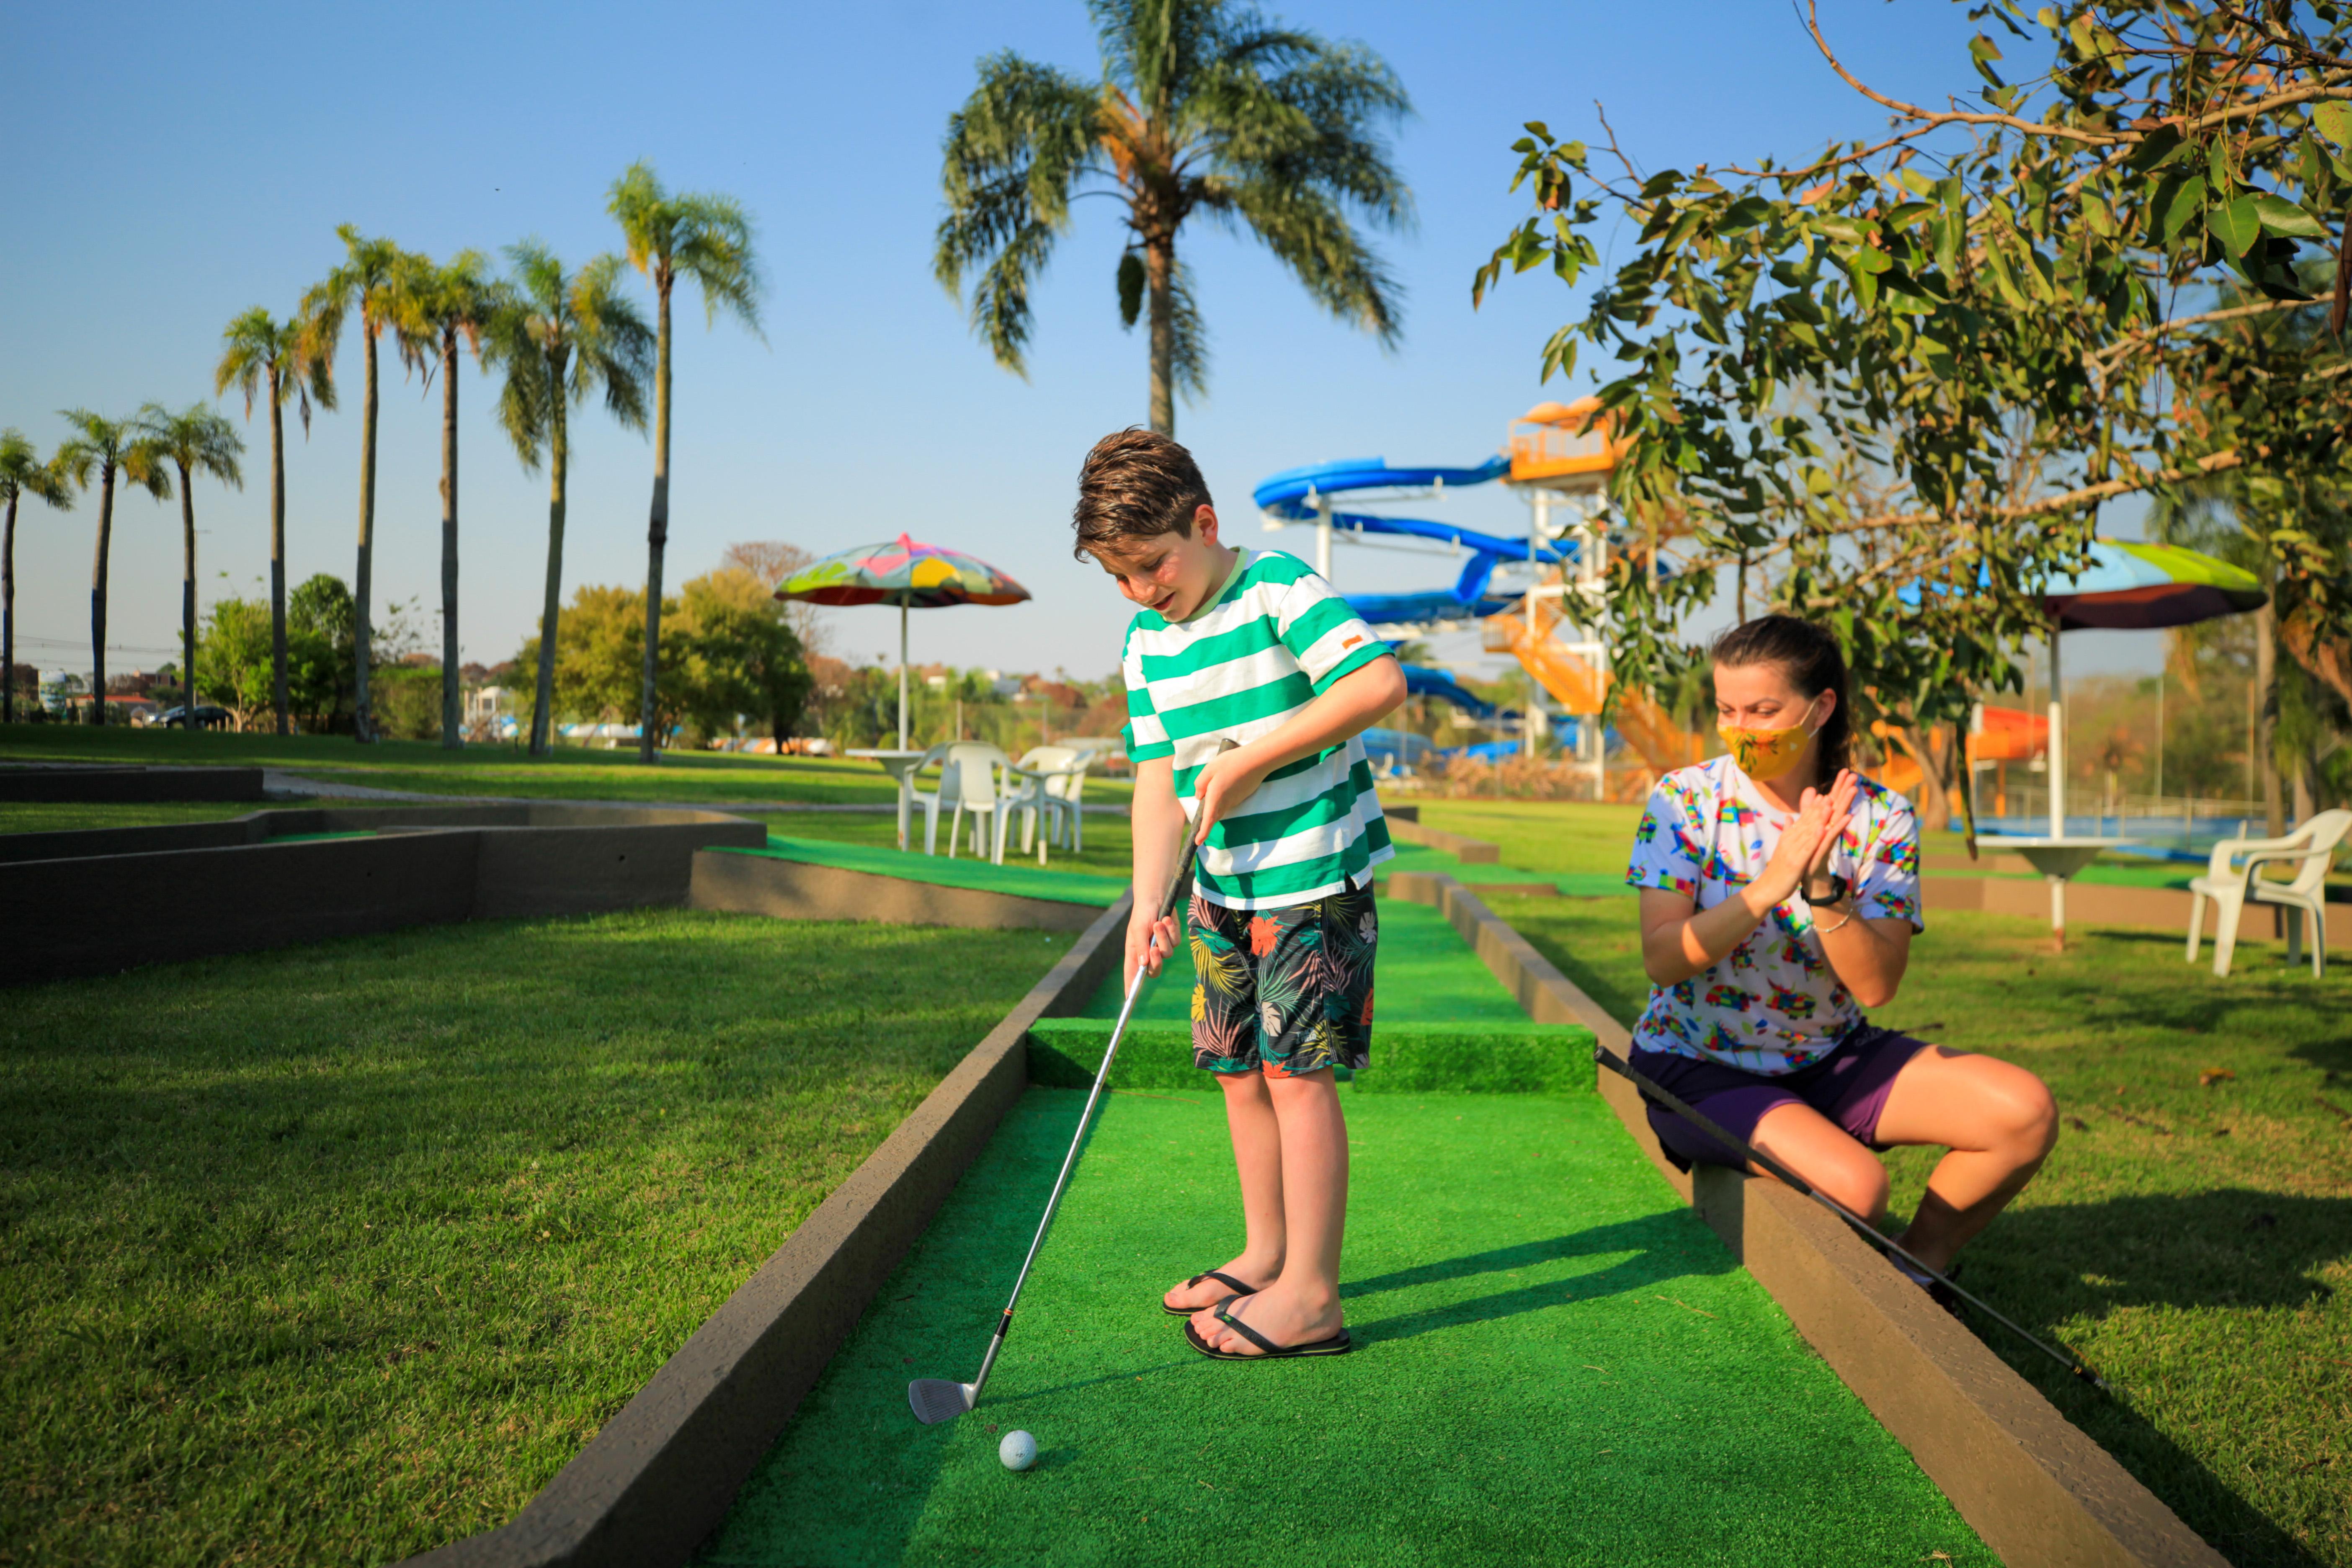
(564, 337)
(104, 450)
(22, 474)
(276, 361)
(1899, 380)
(196, 440)
(1204, 107)
(708, 239)
(743, 655)
(367, 282)
(437, 310)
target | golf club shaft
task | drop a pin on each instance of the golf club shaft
(1102, 1078)
(1789, 1178)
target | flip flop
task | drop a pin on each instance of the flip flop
(1239, 1290)
(1337, 1344)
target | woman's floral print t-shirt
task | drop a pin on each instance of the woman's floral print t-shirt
(1772, 1004)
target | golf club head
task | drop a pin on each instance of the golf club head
(935, 1399)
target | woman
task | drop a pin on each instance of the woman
(1779, 892)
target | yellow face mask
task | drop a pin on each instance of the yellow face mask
(1768, 754)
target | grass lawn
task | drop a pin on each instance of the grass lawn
(337, 1253)
(572, 772)
(2192, 1232)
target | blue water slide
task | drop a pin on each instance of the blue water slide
(1290, 495)
(1423, 682)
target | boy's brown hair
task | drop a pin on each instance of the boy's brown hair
(1136, 484)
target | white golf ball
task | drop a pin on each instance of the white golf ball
(1019, 1450)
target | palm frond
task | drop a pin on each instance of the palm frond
(23, 473)
(697, 234)
(199, 440)
(1189, 360)
(613, 347)
(1013, 155)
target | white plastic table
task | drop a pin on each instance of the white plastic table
(2058, 860)
(901, 766)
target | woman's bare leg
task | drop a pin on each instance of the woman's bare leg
(1998, 1120)
(1825, 1155)
(1258, 1156)
(1302, 1305)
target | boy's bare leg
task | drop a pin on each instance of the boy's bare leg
(1258, 1156)
(1302, 1305)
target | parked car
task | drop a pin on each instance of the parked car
(207, 717)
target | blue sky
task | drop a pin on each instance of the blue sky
(176, 164)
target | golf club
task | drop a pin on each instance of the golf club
(936, 1399)
(1788, 1177)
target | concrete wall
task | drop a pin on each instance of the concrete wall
(198, 890)
(109, 785)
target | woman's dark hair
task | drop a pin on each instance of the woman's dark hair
(1809, 656)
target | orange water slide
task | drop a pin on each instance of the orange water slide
(2010, 735)
(1649, 729)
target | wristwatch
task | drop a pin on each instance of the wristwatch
(1835, 895)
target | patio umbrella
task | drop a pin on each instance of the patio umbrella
(2130, 586)
(905, 574)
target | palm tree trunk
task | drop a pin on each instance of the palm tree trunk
(362, 719)
(188, 603)
(1159, 275)
(278, 548)
(8, 617)
(453, 734)
(657, 529)
(98, 596)
(559, 454)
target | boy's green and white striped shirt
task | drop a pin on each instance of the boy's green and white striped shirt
(1274, 639)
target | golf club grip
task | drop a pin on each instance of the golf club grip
(1189, 855)
(1650, 1090)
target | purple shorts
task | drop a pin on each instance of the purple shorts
(1849, 1086)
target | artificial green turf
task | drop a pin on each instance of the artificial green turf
(1484, 1057)
(1024, 880)
(1421, 973)
(338, 1253)
(1558, 1363)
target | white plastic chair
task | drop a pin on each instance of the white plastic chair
(2232, 886)
(927, 799)
(1051, 778)
(968, 783)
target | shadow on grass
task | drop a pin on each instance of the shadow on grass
(2227, 1250)
(1659, 1244)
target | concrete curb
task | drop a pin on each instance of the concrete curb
(798, 891)
(107, 784)
(1468, 851)
(105, 900)
(2034, 1486)
(662, 1473)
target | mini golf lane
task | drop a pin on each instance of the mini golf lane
(1558, 1362)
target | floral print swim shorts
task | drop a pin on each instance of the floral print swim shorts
(1288, 990)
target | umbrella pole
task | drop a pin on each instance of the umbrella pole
(2056, 759)
(903, 599)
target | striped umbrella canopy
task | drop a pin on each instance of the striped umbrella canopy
(2135, 586)
(909, 575)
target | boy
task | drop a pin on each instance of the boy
(1251, 647)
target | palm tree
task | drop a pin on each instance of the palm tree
(1203, 108)
(707, 239)
(107, 448)
(22, 473)
(365, 281)
(263, 355)
(561, 337)
(197, 441)
(435, 306)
